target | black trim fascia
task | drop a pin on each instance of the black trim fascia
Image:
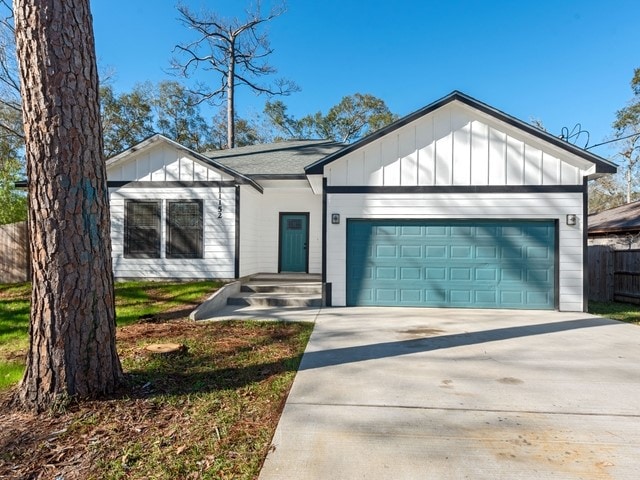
(602, 165)
(458, 189)
(324, 231)
(282, 214)
(171, 184)
(236, 261)
(585, 245)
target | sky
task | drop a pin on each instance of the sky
(561, 62)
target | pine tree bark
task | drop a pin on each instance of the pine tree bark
(72, 351)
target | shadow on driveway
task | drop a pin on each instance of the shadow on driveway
(359, 353)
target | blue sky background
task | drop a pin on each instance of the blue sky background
(562, 62)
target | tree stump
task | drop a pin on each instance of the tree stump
(165, 348)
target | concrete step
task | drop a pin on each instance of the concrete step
(275, 300)
(285, 277)
(307, 288)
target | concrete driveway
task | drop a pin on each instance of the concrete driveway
(399, 393)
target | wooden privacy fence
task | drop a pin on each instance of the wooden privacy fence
(614, 274)
(15, 264)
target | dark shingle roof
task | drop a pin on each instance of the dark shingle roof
(275, 159)
(619, 219)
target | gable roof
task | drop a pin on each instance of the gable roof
(619, 219)
(157, 138)
(286, 159)
(602, 165)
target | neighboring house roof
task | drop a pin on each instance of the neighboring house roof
(625, 218)
(602, 165)
(283, 159)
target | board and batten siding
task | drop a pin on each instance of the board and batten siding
(164, 163)
(518, 206)
(458, 146)
(259, 226)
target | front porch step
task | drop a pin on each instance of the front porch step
(283, 278)
(307, 288)
(275, 300)
(279, 290)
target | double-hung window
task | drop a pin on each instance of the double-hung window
(183, 236)
(184, 229)
(142, 229)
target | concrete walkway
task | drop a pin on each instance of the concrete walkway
(399, 393)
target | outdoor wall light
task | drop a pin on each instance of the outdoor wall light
(335, 218)
(572, 219)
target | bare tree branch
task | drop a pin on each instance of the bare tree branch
(233, 48)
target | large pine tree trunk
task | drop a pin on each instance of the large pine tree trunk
(72, 336)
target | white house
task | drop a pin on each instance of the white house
(457, 204)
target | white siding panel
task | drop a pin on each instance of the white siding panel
(497, 157)
(390, 161)
(199, 172)
(479, 153)
(172, 169)
(515, 161)
(372, 165)
(355, 170)
(532, 166)
(129, 171)
(186, 170)
(426, 152)
(456, 145)
(115, 174)
(143, 168)
(551, 170)
(163, 163)
(569, 174)
(547, 206)
(338, 173)
(443, 147)
(157, 168)
(461, 165)
(408, 156)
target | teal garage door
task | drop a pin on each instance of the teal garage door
(486, 264)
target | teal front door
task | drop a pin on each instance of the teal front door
(294, 240)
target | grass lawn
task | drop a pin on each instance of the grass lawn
(209, 412)
(624, 312)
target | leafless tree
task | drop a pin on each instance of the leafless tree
(236, 50)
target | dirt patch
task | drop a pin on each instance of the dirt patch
(209, 412)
